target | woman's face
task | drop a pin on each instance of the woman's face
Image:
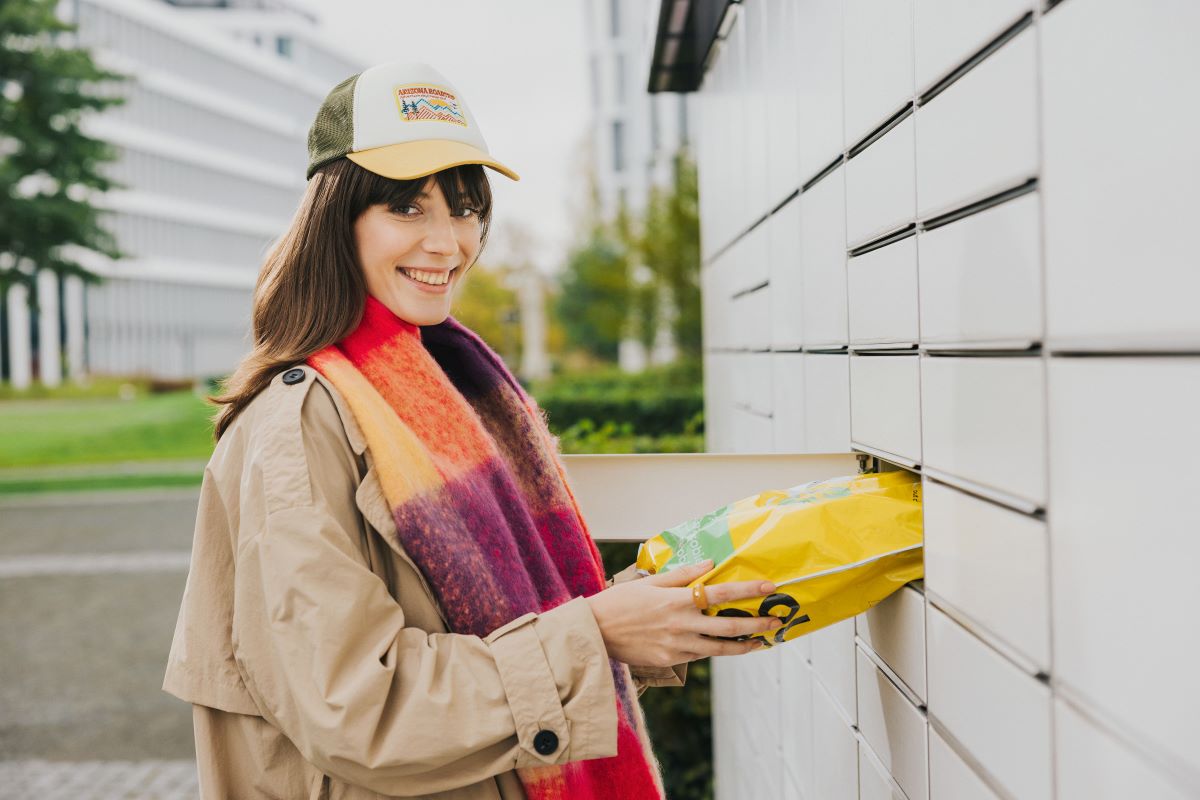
(413, 258)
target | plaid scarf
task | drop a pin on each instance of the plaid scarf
(482, 505)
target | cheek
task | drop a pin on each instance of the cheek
(468, 242)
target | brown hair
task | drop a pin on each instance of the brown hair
(311, 291)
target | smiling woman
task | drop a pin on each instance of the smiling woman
(415, 248)
(392, 592)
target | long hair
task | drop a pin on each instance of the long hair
(310, 291)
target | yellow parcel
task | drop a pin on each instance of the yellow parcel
(833, 548)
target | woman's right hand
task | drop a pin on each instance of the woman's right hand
(652, 622)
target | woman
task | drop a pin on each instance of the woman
(392, 592)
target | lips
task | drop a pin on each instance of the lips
(429, 287)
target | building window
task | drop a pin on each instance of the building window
(614, 17)
(283, 46)
(619, 68)
(594, 63)
(683, 120)
(618, 144)
(655, 125)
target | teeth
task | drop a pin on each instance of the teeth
(434, 278)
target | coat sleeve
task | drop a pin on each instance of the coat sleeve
(646, 677)
(325, 653)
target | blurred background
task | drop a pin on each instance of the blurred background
(945, 237)
(150, 152)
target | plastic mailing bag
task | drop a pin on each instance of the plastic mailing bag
(833, 549)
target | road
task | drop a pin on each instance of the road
(90, 585)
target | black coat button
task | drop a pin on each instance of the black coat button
(545, 742)
(293, 376)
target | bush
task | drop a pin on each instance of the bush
(659, 401)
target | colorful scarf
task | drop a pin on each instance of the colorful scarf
(482, 505)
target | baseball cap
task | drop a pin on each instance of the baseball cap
(401, 120)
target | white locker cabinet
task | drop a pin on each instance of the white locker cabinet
(827, 402)
(874, 783)
(752, 319)
(885, 405)
(984, 420)
(947, 32)
(752, 432)
(1124, 546)
(751, 382)
(833, 664)
(981, 279)
(818, 81)
(878, 62)
(882, 286)
(893, 728)
(1121, 188)
(796, 718)
(823, 261)
(753, 100)
(990, 564)
(1000, 714)
(783, 235)
(752, 266)
(879, 186)
(895, 632)
(787, 405)
(1092, 763)
(949, 776)
(980, 135)
(782, 105)
(716, 296)
(835, 751)
(752, 386)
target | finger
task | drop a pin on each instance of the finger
(722, 647)
(737, 590)
(681, 576)
(735, 627)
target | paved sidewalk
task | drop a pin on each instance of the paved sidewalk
(36, 779)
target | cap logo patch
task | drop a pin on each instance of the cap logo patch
(421, 102)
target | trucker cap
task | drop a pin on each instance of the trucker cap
(401, 120)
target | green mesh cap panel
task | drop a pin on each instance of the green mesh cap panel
(332, 133)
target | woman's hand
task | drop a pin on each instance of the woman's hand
(652, 622)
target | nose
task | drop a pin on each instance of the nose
(439, 235)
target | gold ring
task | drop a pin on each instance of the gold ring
(699, 596)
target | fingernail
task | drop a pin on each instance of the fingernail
(707, 563)
(778, 623)
(766, 587)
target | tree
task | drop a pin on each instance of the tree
(487, 306)
(595, 294)
(48, 167)
(669, 245)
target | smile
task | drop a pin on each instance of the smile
(428, 280)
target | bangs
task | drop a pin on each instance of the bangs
(464, 186)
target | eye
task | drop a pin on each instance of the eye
(406, 211)
(465, 211)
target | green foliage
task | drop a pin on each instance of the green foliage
(669, 245)
(594, 295)
(600, 301)
(490, 308)
(656, 402)
(46, 86)
(91, 431)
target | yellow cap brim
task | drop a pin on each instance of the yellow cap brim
(408, 160)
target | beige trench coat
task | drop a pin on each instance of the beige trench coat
(313, 652)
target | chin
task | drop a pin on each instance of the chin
(419, 316)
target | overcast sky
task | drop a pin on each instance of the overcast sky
(521, 65)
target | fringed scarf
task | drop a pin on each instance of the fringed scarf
(482, 505)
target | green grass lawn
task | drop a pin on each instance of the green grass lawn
(60, 432)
